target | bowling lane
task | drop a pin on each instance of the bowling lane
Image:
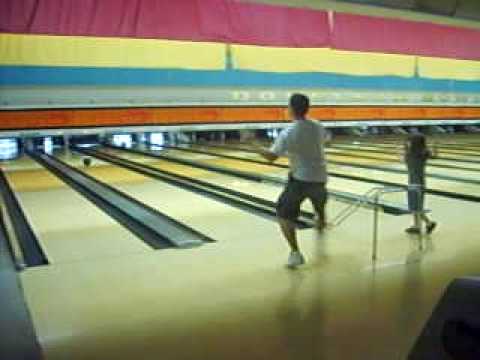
(69, 227)
(433, 164)
(432, 183)
(331, 152)
(451, 148)
(210, 217)
(396, 156)
(467, 139)
(264, 190)
(376, 149)
(439, 168)
(445, 166)
(459, 150)
(394, 161)
(362, 187)
(361, 158)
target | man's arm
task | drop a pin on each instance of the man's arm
(278, 148)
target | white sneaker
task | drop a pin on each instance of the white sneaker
(295, 259)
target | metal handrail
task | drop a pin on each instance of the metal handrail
(351, 208)
(377, 194)
(373, 195)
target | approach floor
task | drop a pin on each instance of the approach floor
(106, 295)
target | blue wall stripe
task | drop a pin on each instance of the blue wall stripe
(66, 76)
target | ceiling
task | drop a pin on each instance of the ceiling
(464, 13)
(466, 9)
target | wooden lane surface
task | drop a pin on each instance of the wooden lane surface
(69, 227)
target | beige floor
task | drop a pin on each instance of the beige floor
(234, 299)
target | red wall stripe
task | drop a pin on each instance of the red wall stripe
(372, 34)
(236, 21)
(32, 119)
(196, 20)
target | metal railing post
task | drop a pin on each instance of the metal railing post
(375, 227)
(376, 196)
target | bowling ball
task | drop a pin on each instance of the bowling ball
(87, 162)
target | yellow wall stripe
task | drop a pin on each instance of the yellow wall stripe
(438, 68)
(109, 52)
(269, 59)
(37, 50)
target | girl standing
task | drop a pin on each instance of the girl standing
(416, 156)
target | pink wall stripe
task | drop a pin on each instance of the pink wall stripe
(237, 22)
(372, 34)
(197, 20)
(258, 24)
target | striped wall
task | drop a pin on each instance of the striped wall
(195, 35)
(229, 44)
(44, 60)
(41, 57)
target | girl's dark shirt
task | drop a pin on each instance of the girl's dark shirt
(416, 166)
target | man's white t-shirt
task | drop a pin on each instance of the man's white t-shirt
(303, 142)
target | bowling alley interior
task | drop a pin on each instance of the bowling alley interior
(141, 205)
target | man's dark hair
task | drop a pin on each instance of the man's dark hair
(299, 104)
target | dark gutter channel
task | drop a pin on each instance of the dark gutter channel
(32, 251)
(240, 200)
(19, 340)
(156, 229)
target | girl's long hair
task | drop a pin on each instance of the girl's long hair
(417, 145)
